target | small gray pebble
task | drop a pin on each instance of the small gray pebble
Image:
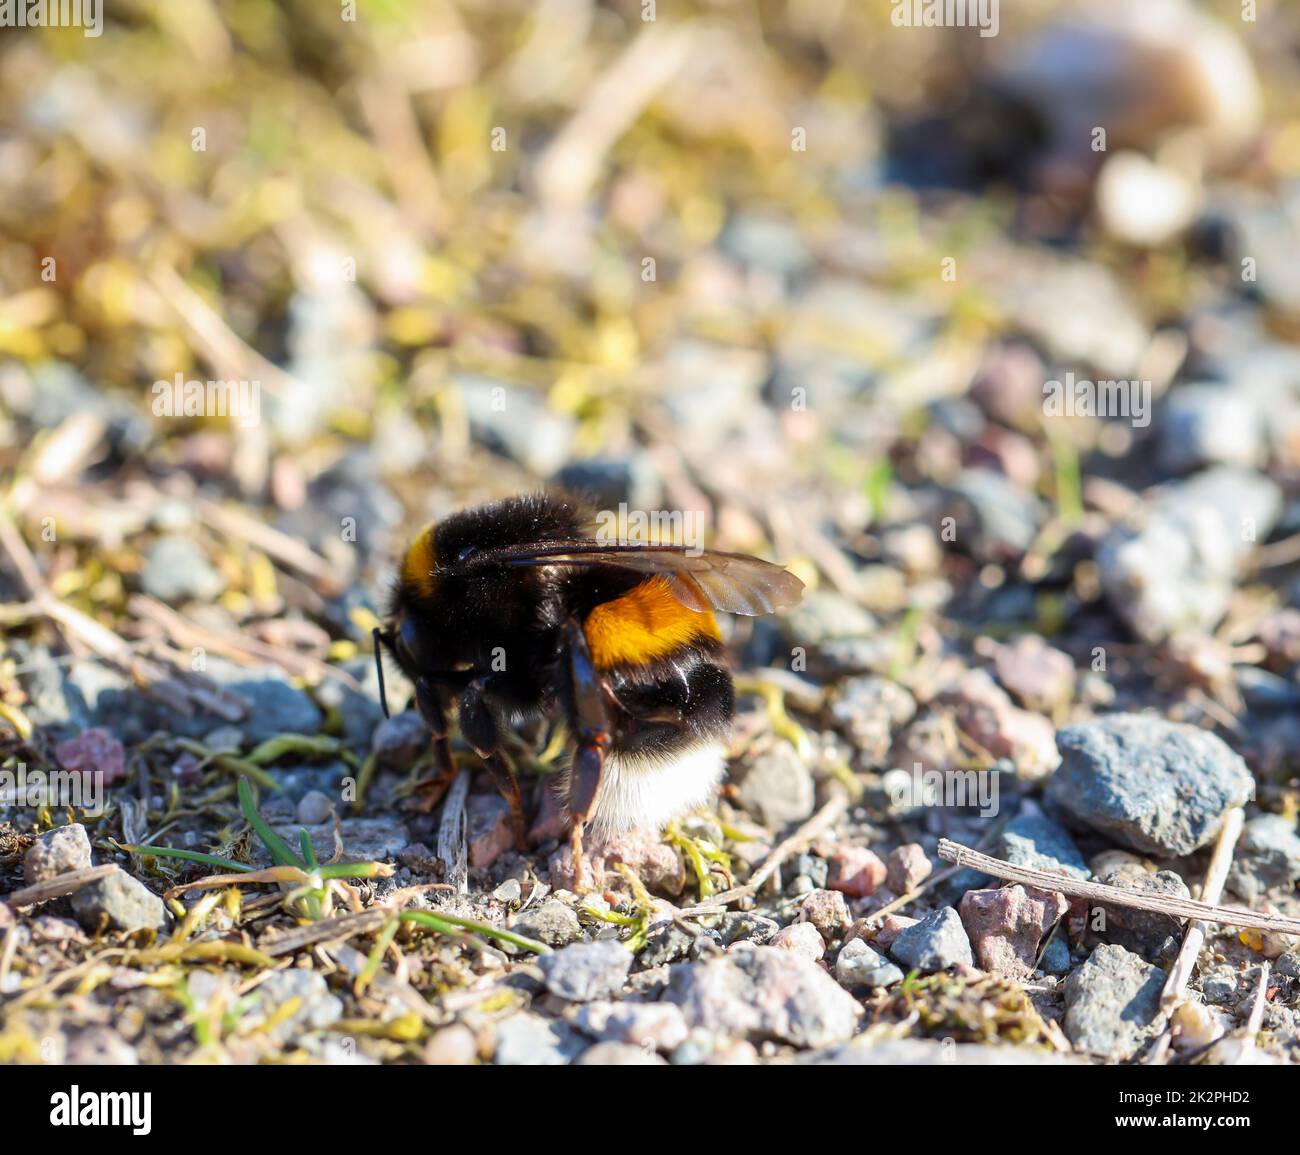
(528, 1040)
(816, 870)
(1112, 1002)
(860, 965)
(1056, 958)
(1036, 842)
(126, 902)
(315, 808)
(618, 1055)
(1288, 965)
(1267, 856)
(398, 741)
(935, 943)
(586, 970)
(552, 923)
(1155, 786)
(1219, 988)
(177, 570)
(777, 788)
(697, 1047)
(56, 852)
(508, 891)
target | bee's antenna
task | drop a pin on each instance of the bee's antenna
(378, 635)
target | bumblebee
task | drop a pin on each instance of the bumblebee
(513, 612)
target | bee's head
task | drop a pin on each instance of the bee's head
(401, 638)
(413, 595)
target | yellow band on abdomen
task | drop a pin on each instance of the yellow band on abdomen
(646, 623)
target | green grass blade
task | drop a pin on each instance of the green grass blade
(452, 924)
(278, 848)
(354, 870)
(308, 850)
(241, 766)
(187, 855)
(304, 745)
(376, 956)
(1068, 483)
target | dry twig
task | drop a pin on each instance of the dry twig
(235, 523)
(452, 852)
(1215, 876)
(1113, 895)
(59, 886)
(238, 648)
(572, 162)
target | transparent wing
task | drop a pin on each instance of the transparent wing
(732, 582)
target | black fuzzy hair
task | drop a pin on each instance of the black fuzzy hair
(530, 517)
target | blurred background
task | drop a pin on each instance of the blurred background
(798, 268)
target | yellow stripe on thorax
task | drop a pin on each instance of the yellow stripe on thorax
(646, 623)
(420, 561)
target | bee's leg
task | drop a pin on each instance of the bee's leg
(429, 703)
(478, 725)
(594, 740)
(507, 784)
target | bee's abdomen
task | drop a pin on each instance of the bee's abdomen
(640, 796)
(645, 625)
(674, 703)
(666, 756)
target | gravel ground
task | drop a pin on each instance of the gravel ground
(1022, 412)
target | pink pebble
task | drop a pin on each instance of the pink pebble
(856, 871)
(93, 751)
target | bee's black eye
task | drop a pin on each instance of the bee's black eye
(408, 637)
(466, 553)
